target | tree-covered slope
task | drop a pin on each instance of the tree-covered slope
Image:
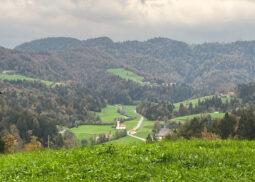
(209, 65)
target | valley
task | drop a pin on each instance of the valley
(78, 106)
(127, 91)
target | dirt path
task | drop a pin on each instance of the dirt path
(137, 127)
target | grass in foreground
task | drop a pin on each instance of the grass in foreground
(127, 75)
(20, 77)
(163, 161)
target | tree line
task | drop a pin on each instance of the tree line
(159, 110)
(240, 125)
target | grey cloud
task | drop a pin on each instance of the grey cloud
(187, 20)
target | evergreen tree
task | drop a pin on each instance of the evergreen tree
(1, 144)
(227, 126)
(247, 126)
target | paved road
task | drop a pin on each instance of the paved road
(137, 127)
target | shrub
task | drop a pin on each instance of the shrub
(10, 144)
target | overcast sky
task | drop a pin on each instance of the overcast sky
(192, 21)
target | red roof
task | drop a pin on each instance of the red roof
(122, 125)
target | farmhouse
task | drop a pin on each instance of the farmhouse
(163, 133)
(120, 126)
(229, 94)
(132, 131)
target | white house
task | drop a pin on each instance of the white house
(163, 133)
(120, 126)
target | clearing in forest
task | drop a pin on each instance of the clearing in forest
(20, 77)
(127, 75)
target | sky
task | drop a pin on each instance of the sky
(191, 21)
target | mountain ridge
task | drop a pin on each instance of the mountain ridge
(209, 65)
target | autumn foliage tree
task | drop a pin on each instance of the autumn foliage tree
(10, 144)
(33, 145)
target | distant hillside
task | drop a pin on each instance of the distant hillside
(54, 43)
(208, 65)
(88, 66)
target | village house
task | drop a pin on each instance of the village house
(229, 94)
(132, 131)
(120, 126)
(163, 133)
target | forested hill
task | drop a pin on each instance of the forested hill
(208, 65)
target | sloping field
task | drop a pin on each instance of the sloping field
(181, 160)
(125, 141)
(88, 131)
(193, 101)
(107, 115)
(125, 74)
(189, 117)
(20, 77)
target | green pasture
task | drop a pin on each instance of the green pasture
(107, 115)
(189, 117)
(125, 74)
(20, 77)
(88, 131)
(125, 141)
(193, 101)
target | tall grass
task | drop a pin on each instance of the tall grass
(163, 161)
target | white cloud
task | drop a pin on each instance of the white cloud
(187, 20)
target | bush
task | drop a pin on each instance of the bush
(34, 145)
(10, 144)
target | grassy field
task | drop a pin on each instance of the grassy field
(145, 129)
(180, 160)
(189, 117)
(125, 74)
(87, 131)
(107, 115)
(193, 101)
(20, 77)
(125, 141)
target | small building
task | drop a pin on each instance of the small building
(132, 131)
(223, 95)
(120, 126)
(231, 94)
(163, 133)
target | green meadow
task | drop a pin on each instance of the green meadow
(20, 77)
(88, 131)
(107, 115)
(189, 117)
(181, 160)
(125, 74)
(193, 101)
(125, 141)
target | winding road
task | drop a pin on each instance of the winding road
(137, 127)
